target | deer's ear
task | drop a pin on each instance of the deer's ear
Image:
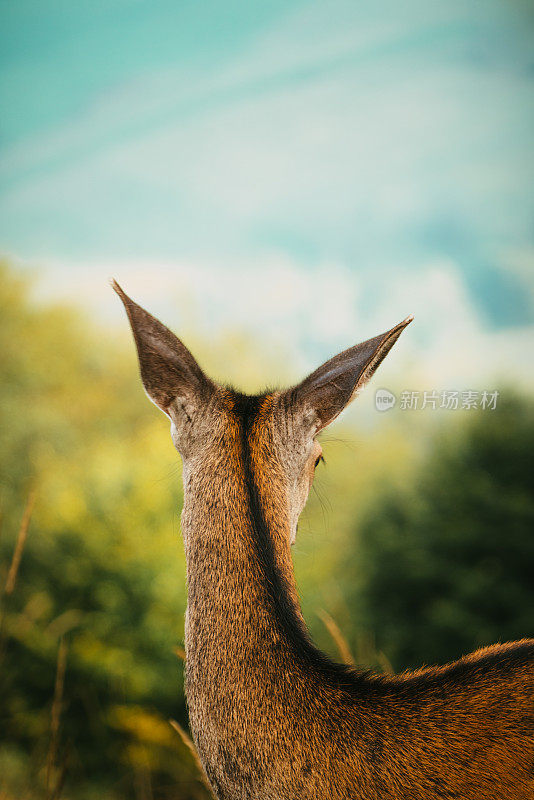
(168, 370)
(325, 393)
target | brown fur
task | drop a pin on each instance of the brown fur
(272, 717)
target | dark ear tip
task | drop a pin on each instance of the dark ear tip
(403, 324)
(118, 289)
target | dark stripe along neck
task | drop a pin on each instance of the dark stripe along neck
(285, 616)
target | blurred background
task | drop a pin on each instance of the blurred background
(276, 181)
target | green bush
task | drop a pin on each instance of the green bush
(102, 566)
(446, 563)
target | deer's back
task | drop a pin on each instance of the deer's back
(463, 731)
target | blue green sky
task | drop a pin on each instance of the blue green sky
(307, 169)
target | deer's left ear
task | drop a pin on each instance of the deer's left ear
(325, 393)
(171, 376)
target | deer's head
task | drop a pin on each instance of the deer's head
(280, 426)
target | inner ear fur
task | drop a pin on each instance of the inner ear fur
(168, 370)
(327, 391)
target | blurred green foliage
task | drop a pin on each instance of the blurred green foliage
(447, 561)
(438, 559)
(101, 567)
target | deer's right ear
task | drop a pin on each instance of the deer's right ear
(325, 393)
(168, 370)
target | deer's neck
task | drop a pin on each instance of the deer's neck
(252, 673)
(243, 619)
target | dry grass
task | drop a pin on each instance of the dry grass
(55, 773)
(186, 739)
(19, 546)
(339, 640)
(188, 742)
(367, 652)
(180, 652)
(13, 571)
(53, 792)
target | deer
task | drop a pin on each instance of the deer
(273, 717)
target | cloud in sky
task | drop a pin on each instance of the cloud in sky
(323, 159)
(306, 315)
